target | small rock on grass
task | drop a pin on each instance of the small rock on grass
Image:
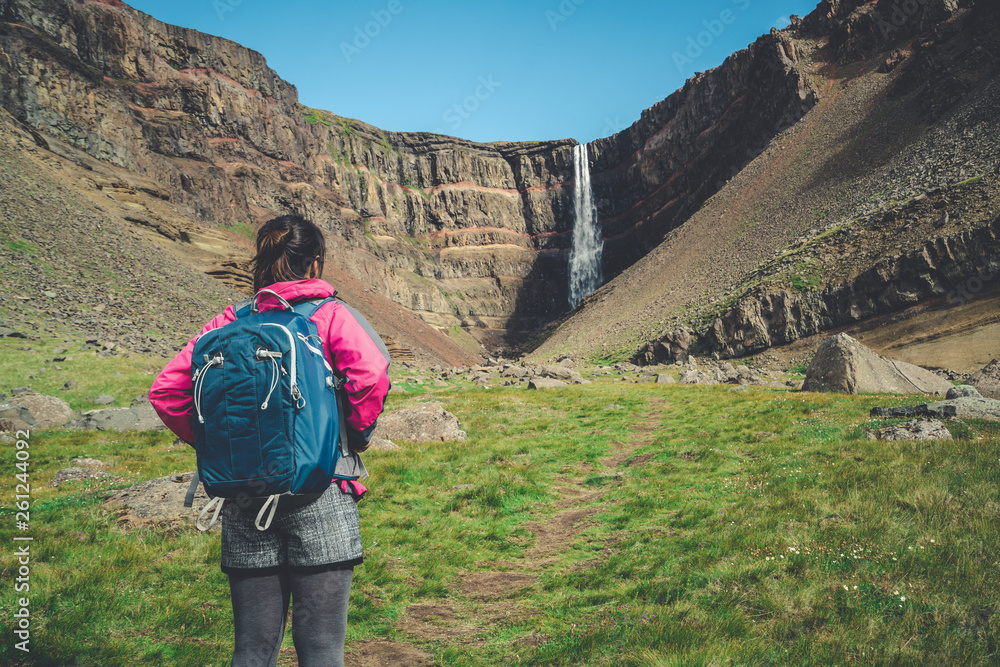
(915, 429)
(47, 411)
(424, 422)
(8, 425)
(382, 445)
(140, 418)
(545, 383)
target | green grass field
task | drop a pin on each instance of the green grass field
(608, 524)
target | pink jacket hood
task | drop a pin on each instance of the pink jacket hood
(348, 347)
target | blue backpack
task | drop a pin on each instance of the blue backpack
(268, 420)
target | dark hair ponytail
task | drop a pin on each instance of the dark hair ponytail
(287, 247)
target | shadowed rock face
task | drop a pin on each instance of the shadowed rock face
(861, 28)
(459, 232)
(650, 178)
(767, 317)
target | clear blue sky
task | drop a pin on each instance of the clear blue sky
(487, 70)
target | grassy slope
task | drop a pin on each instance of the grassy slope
(611, 524)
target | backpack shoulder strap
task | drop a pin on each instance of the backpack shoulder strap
(242, 309)
(308, 308)
(192, 488)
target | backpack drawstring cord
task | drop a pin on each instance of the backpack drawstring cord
(275, 375)
(199, 382)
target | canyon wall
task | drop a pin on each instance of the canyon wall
(459, 232)
(924, 228)
(650, 178)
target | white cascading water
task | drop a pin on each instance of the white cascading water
(585, 274)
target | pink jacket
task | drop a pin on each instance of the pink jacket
(347, 345)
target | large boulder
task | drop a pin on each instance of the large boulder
(47, 411)
(987, 381)
(139, 418)
(159, 501)
(843, 365)
(564, 374)
(424, 422)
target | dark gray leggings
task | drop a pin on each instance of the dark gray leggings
(319, 617)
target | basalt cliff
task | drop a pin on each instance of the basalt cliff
(877, 213)
(460, 234)
(187, 141)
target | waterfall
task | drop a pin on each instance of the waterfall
(585, 258)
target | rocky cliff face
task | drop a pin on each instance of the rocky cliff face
(857, 29)
(930, 237)
(650, 178)
(877, 200)
(460, 233)
(943, 272)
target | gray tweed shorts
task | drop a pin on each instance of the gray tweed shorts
(322, 534)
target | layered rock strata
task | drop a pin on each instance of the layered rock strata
(461, 233)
